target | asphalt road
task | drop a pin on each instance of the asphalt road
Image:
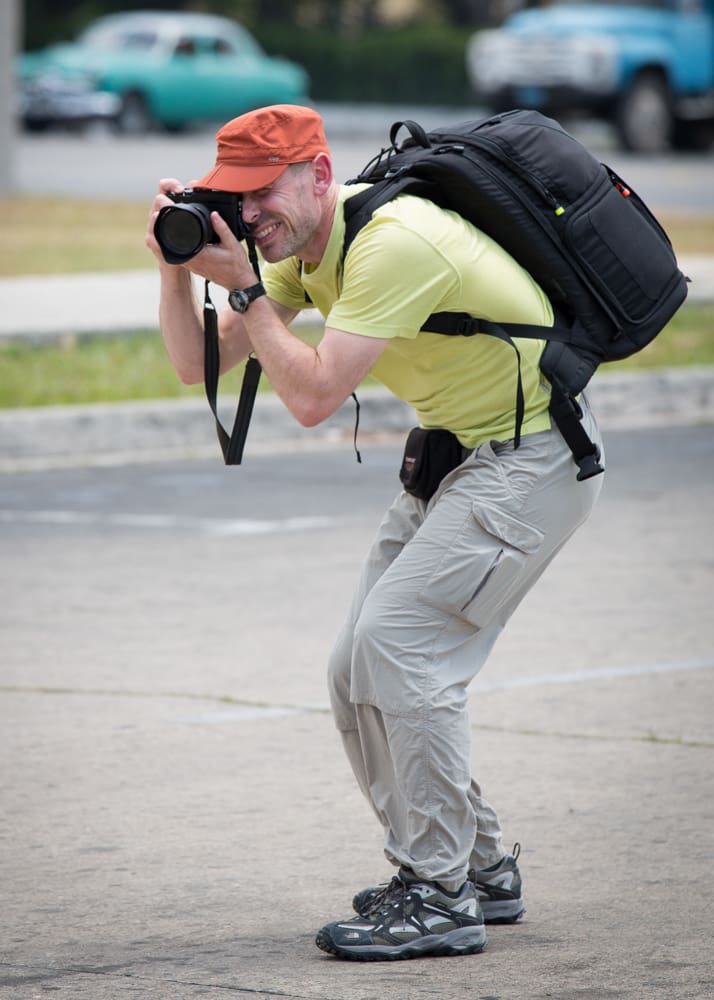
(103, 165)
(329, 484)
(177, 817)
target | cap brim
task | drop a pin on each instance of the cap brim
(237, 179)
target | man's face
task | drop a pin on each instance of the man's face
(285, 214)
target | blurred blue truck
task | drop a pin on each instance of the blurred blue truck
(647, 66)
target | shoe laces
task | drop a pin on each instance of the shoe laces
(393, 892)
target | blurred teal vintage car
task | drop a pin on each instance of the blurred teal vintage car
(162, 69)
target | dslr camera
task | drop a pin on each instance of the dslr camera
(183, 229)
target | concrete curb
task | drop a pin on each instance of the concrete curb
(165, 430)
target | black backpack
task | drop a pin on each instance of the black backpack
(580, 231)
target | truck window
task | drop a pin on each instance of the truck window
(658, 4)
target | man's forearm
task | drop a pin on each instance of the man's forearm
(292, 366)
(181, 320)
(312, 381)
(181, 324)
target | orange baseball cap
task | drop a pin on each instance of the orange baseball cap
(254, 149)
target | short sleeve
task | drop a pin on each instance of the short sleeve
(394, 278)
(283, 285)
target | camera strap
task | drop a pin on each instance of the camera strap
(232, 444)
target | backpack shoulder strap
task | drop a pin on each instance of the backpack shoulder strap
(567, 370)
(359, 208)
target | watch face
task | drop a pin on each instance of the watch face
(239, 300)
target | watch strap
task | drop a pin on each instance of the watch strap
(245, 296)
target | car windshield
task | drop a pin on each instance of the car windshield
(107, 37)
(204, 44)
(114, 37)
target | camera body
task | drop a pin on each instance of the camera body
(183, 229)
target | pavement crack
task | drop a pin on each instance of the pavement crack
(192, 696)
(27, 975)
(228, 987)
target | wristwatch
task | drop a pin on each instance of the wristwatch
(240, 298)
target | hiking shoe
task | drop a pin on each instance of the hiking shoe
(413, 918)
(499, 892)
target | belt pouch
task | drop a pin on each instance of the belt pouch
(429, 455)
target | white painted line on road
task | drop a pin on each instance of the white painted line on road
(209, 526)
(583, 676)
(248, 714)
(238, 710)
(544, 680)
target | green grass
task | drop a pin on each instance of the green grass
(102, 369)
(55, 235)
(107, 369)
(95, 369)
(688, 339)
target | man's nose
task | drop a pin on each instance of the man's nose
(250, 209)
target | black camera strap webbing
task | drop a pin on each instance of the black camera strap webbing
(231, 445)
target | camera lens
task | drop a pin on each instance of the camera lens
(182, 230)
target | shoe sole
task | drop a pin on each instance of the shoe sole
(461, 941)
(502, 911)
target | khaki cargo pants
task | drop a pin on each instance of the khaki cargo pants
(439, 584)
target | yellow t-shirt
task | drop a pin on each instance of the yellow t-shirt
(413, 259)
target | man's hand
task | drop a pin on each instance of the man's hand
(160, 201)
(226, 262)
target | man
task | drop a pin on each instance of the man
(444, 573)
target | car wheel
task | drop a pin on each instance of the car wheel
(36, 125)
(134, 117)
(644, 116)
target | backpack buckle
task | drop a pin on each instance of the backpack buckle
(467, 326)
(589, 465)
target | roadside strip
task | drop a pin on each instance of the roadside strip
(171, 430)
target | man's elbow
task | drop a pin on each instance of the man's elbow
(313, 411)
(308, 416)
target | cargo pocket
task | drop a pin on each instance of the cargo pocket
(483, 568)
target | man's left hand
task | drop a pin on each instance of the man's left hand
(225, 263)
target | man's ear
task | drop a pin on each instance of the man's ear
(322, 173)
